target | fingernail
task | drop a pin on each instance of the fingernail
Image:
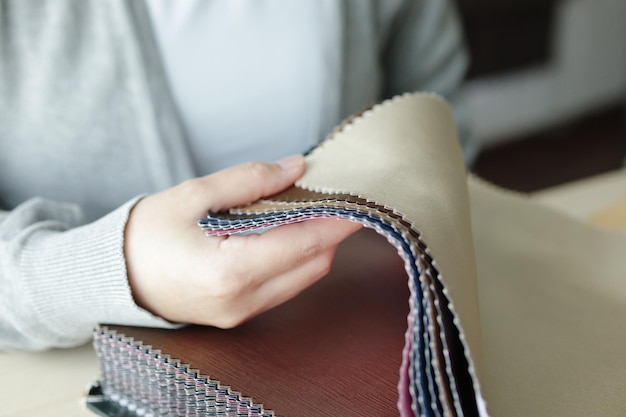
(291, 162)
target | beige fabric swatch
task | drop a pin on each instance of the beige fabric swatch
(552, 307)
(407, 155)
(544, 317)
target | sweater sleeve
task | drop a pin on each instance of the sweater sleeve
(425, 50)
(60, 277)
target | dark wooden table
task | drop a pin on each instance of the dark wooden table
(335, 350)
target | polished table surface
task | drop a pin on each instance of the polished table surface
(53, 383)
(334, 350)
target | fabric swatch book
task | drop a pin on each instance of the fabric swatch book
(457, 299)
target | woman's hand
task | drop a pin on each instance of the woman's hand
(177, 272)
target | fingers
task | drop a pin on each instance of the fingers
(282, 288)
(284, 248)
(240, 184)
(226, 281)
(276, 291)
(272, 268)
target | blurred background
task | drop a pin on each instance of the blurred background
(546, 89)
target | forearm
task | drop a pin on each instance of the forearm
(60, 278)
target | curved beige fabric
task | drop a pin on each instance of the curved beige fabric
(552, 289)
(404, 153)
(552, 308)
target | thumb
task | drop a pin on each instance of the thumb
(242, 184)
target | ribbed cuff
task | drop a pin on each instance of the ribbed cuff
(77, 278)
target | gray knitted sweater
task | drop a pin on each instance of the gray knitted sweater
(88, 125)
